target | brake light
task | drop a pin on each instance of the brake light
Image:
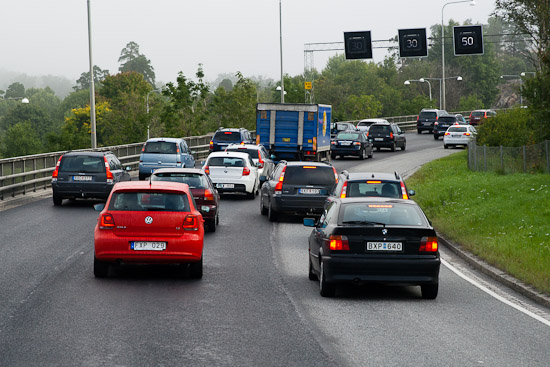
(108, 171)
(333, 143)
(436, 123)
(206, 170)
(338, 243)
(242, 142)
(356, 143)
(55, 172)
(279, 185)
(191, 223)
(211, 145)
(227, 133)
(404, 191)
(335, 174)
(261, 161)
(208, 195)
(107, 221)
(374, 182)
(246, 171)
(428, 244)
(368, 134)
(310, 167)
(446, 133)
(258, 140)
(391, 135)
(467, 134)
(344, 189)
(417, 118)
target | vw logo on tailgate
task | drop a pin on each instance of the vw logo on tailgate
(148, 220)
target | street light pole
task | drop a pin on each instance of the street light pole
(421, 80)
(442, 89)
(92, 89)
(281, 51)
(147, 107)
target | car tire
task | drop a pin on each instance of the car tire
(436, 137)
(393, 147)
(445, 146)
(325, 289)
(363, 154)
(429, 291)
(101, 268)
(263, 210)
(418, 131)
(141, 177)
(211, 225)
(271, 214)
(311, 274)
(404, 145)
(195, 270)
(371, 154)
(57, 200)
(333, 156)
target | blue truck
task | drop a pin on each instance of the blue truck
(294, 131)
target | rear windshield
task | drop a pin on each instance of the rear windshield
(84, 164)
(374, 188)
(252, 152)
(147, 201)
(194, 180)
(478, 113)
(388, 214)
(309, 175)
(379, 129)
(161, 147)
(349, 136)
(364, 123)
(458, 129)
(447, 119)
(428, 115)
(227, 136)
(226, 162)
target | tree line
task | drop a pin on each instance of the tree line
(129, 104)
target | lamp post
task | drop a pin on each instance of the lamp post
(281, 51)
(472, 3)
(92, 89)
(24, 100)
(147, 107)
(421, 80)
(458, 78)
(524, 73)
(514, 76)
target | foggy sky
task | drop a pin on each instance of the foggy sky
(50, 37)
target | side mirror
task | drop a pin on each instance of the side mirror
(99, 207)
(273, 157)
(193, 152)
(128, 168)
(412, 192)
(309, 222)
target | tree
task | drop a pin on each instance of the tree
(132, 60)
(20, 139)
(84, 81)
(76, 131)
(15, 90)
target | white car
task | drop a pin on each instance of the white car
(233, 172)
(364, 125)
(458, 135)
(258, 154)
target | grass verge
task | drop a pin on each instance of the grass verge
(503, 219)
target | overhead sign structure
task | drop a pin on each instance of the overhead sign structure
(358, 45)
(308, 85)
(468, 40)
(413, 42)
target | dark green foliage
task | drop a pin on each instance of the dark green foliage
(513, 128)
(15, 90)
(20, 139)
(132, 60)
(84, 81)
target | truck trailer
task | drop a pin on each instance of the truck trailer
(294, 131)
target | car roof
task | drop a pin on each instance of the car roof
(237, 129)
(88, 153)
(376, 200)
(179, 170)
(170, 140)
(382, 123)
(373, 120)
(305, 163)
(246, 146)
(231, 153)
(151, 185)
(352, 176)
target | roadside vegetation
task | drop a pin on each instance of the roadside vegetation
(503, 219)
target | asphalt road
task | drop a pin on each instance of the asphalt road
(254, 306)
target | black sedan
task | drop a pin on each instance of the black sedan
(373, 240)
(351, 143)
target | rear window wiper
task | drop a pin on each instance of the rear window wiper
(364, 222)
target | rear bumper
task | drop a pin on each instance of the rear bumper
(299, 205)
(357, 269)
(66, 191)
(352, 150)
(422, 127)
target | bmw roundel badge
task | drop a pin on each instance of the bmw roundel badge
(384, 231)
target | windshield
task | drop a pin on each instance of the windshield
(147, 201)
(348, 136)
(160, 147)
(379, 129)
(376, 213)
(309, 175)
(252, 152)
(458, 129)
(374, 188)
(227, 136)
(226, 162)
(478, 113)
(447, 119)
(428, 115)
(194, 180)
(84, 164)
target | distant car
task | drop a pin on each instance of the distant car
(233, 172)
(204, 193)
(387, 135)
(164, 153)
(338, 127)
(259, 155)
(373, 184)
(443, 123)
(353, 143)
(460, 119)
(149, 223)
(364, 125)
(81, 175)
(297, 188)
(426, 119)
(477, 116)
(227, 136)
(458, 135)
(373, 240)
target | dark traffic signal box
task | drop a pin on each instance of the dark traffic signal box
(358, 45)
(468, 40)
(413, 42)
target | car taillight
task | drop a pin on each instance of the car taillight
(211, 145)
(436, 123)
(404, 191)
(428, 244)
(242, 143)
(279, 185)
(261, 161)
(206, 170)
(191, 223)
(368, 134)
(356, 143)
(208, 195)
(106, 221)
(333, 143)
(258, 140)
(335, 174)
(344, 189)
(55, 172)
(246, 171)
(391, 135)
(446, 133)
(467, 134)
(338, 243)
(417, 118)
(108, 171)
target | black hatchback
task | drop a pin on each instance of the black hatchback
(443, 123)
(354, 143)
(86, 175)
(387, 135)
(297, 188)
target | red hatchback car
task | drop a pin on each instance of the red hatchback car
(146, 222)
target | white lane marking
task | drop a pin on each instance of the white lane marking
(493, 294)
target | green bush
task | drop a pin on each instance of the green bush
(512, 128)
